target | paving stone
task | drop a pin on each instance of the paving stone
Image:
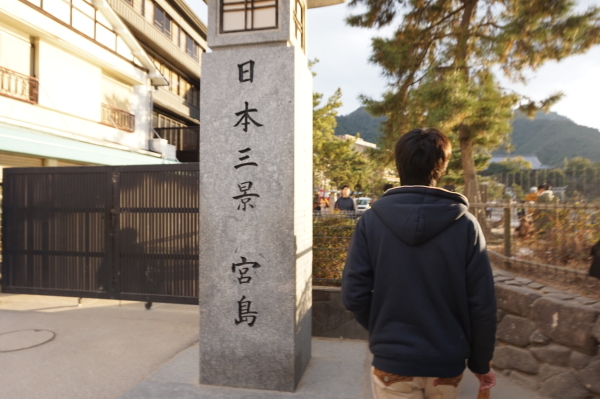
(538, 338)
(590, 377)
(528, 381)
(500, 272)
(513, 282)
(500, 279)
(523, 280)
(557, 355)
(560, 295)
(517, 300)
(500, 315)
(548, 290)
(548, 371)
(515, 330)
(566, 323)
(509, 357)
(596, 330)
(585, 301)
(564, 386)
(536, 286)
(578, 360)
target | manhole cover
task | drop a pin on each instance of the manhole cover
(24, 339)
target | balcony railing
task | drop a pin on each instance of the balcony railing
(183, 138)
(175, 103)
(18, 86)
(118, 118)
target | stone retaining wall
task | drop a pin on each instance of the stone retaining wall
(331, 319)
(546, 339)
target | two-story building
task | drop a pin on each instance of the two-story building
(76, 87)
(174, 38)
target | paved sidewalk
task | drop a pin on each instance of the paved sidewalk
(105, 350)
(338, 369)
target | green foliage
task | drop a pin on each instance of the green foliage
(441, 57)
(331, 238)
(509, 165)
(334, 159)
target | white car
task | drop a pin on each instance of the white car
(363, 203)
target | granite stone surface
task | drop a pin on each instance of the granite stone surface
(509, 357)
(517, 300)
(566, 323)
(515, 330)
(256, 218)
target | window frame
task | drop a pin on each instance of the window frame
(246, 10)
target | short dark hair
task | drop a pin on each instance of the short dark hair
(422, 156)
(544, 186)
(344, 186)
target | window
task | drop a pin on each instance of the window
(178, 84)
(245, 15)
(162, 21)
(191, 47)
(160, 121)
(299, 22)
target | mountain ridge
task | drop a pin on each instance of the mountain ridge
(551, 137)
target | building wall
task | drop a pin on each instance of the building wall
(82, 72)
(169, 51)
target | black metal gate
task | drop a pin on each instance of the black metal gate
(127, 232)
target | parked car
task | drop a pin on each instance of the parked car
(363, 203)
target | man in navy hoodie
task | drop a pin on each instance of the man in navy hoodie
(418, 278)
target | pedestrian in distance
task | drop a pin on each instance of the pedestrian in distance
(345, 202)
(418, 278)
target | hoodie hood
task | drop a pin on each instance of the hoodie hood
(416, 214)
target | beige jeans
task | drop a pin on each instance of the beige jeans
(391, 386)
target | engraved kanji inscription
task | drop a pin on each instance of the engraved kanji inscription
(243, 268)
(245, 197)
(245, 157)
(245, 118)
(245, 314)
(246, 71)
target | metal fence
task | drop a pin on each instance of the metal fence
(126, 232)
(579, 183)
(539, 238)
(542, 238)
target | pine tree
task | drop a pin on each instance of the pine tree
(442, 59)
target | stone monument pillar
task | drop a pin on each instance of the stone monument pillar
(255, 196)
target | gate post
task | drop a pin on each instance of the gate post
(255, 197)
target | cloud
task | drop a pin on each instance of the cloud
(343, 53)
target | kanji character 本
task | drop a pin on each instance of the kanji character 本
(246, 68)
(244, 312)
(245, 198)
(245, 157)
(243, 279)
(246, 119)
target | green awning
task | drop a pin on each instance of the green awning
(33, 143)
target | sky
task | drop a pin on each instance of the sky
(344, 52)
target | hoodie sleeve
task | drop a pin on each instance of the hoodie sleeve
(357, 280)
(482, 304)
